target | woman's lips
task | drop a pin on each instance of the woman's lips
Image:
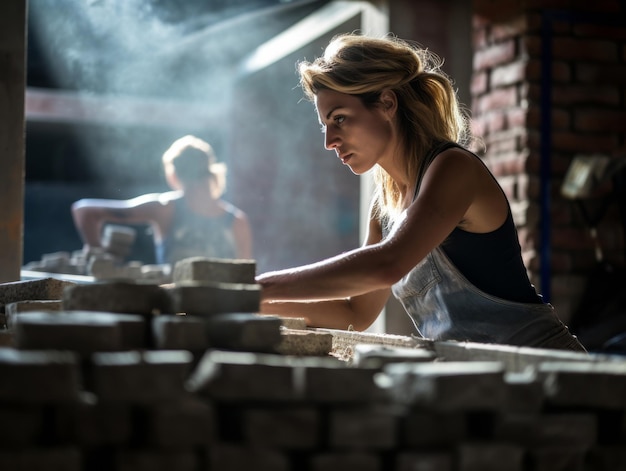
(345, 157)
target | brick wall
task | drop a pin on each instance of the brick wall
(586, 46)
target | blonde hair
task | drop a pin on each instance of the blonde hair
(428, 108)
(190, 159)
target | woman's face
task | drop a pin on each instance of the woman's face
(361, 137)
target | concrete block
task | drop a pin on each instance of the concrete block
(336, 382)
(244, 331)
(100, 424)
(38, 376)
(576, 430)
(564, 458)
(424, 428)
(568, 384)
(491, 456)
(84, 332)
(153, 460)
(244, 376)
(376, 356)
(117, 296)
(181, 424)
(363, 428)
(22, 425)
(41, 459)
(296, 323)
(305, 343)
(448, 386)
(342, 461)
(424, 461)
(6, 338)
(524, 392)
(171, 332)
(219, 270)
(237, 457)
(606, 458)
(45, 288)
(139, 377)
(12, 309)
(284, 428)
(204, 298)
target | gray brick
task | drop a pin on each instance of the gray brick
(45, 288)
(100, 424)
(38, 376)
(117, 296)
(290, 428)
(154, 460)
(448, 385)
(180, 425)
(577, 430)
(204, 298)
(343, 461)
(140, 377)
(336, 382)
(41, 459)
(241, 376)
(180, 333)
(12, 309)
(296, 323)
(607, 458)
(568, 384)
(524, 392)
(363, 428)
(424, 428)
(244, 331)
(305, 343)
(424, 461)
(215, 270)
(565, 458)
(376, 356)
(233, 457)
(81, 331)
(490, 457)
(21, 425)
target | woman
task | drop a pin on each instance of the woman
(191, 220)
(441, 235)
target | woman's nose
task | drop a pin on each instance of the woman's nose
(330, 140)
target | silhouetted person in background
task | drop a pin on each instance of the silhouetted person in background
(191, 220)
(441, 234)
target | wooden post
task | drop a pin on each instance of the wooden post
(12, 91)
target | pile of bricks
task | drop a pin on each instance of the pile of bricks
(122, 375)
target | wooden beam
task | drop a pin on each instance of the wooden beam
(12, 88)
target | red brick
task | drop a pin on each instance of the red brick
(584, 50)
(509, 74)
(575, 94)
(600, 120)
(493, 55)
(516, 26)
(479, 83)
(499, 98)
(600, 74)
(581, 143)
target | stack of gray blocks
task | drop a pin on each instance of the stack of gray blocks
(122, 376)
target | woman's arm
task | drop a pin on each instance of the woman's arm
(451, 186)
(91, 214)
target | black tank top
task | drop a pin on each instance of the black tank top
(479, 256)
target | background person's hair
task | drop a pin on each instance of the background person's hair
(428, 108)
(191, 159)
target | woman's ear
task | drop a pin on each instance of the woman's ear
(389, 102)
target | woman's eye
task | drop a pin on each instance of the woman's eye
(339, 119)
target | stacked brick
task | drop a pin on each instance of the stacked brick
(587, 112)
(120, 378)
